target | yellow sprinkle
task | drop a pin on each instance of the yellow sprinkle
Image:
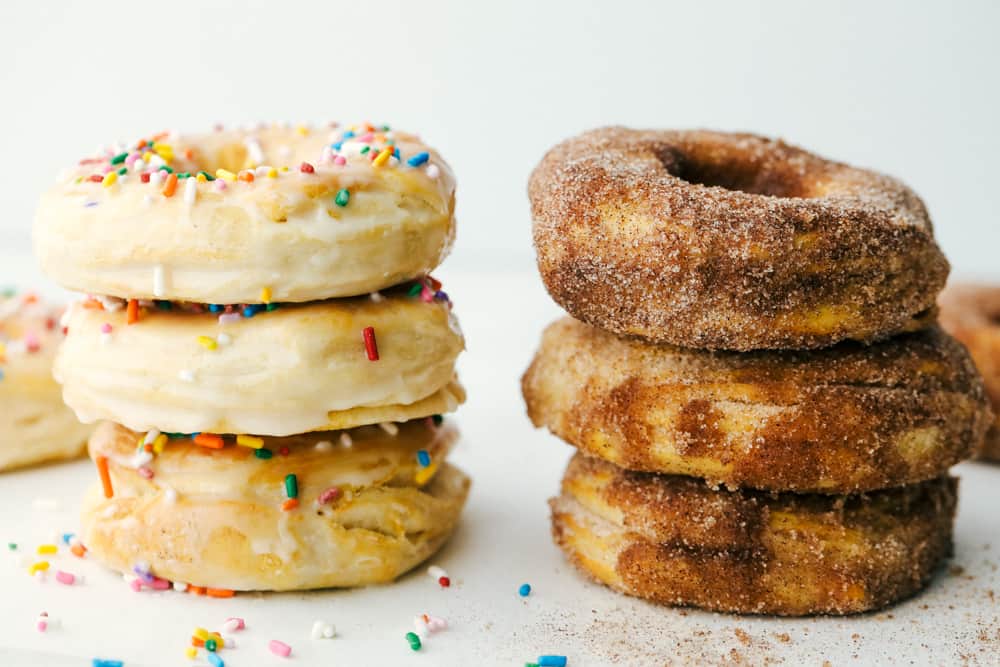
(47, 549)
(250, 441)
(424, 475)
(265, 295)
(109, 179)
(201, 177)
(165, 151)
(201, 633)
(191, 652)
(40, 566)
(272, 173)
(146, 156)
(302, 130)
(159, 443)
(207, 342)
(225, 174)
(285, 168)
(383, 157)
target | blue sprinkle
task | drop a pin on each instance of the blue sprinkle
(337, 146)
(252, 309)
(524, 590)
(66, 537)
(216, 660)
(90, 204)
(215, 308)
(551, 661)
(443, 296)
(423, 458)
(347, 135)
(418, 159)
(101, 662)
(395, 153)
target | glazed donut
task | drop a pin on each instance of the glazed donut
(293, 369)
(247, 216)
(730, 241)
(35, 425)
(674, 541)
(839, 420)
(363, 513)
(971, 313)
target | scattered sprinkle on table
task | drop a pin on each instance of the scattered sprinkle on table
(525, 590)
(413, 640)
(551, 661)
(279, 648)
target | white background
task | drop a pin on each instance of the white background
(908, 88)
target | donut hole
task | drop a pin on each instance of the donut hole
(738, 171)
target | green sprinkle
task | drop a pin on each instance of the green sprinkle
(414, 640)
(118, 159)
(291, 486)
(271, 306)
(163, 305)
(437, 419)
(263, 453)
(211, 645)
(414, 289)
(12, 546)
(365, 149)
(123, 171)
(167, 169)
(184, 174)
(342, 198)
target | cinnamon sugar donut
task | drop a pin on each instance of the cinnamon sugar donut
(675, 541)
(839, 420)
(730, 241)
(971, 313)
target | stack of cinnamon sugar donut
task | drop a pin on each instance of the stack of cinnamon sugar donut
(764, 408)
(266, 352)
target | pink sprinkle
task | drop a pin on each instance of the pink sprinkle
(145, 472)
(426, 295)
(340, 160)
(234, 623)
(65, 578)
(326, 155)
(435, 624)
(220, 184)
(160, 584)
(42, 626)
(136, 585)
(366, 138)
(130, 160)
(106, 328)
(279, 648)
(32, 343)
(329, 495)
(229, 318)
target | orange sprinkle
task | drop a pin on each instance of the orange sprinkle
(219, 592)
(245, 175)
(132, 311)
(188, 153)
(290, 504)
(196, 590)
(102, 470)
(78, 550)
(197, 642)
(209, 440)
(169, 185)
(93, 304)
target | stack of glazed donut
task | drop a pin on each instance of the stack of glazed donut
(265, 351)
(764, 409)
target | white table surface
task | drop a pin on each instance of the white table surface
(502, 542)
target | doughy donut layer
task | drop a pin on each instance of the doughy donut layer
(730, 241)
(971, 313)
(296, 369)
(214, 517)
(35, 424)
(844, 419)
(286, 232)
(674, 541)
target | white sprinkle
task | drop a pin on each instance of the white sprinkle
(105, 338)
(345, 439)
(186, 375)
(436, 572)
(223, 339)
(141, 458)
(389, 428)
(138, 166)
(433, 171)
(170, 495)
(321, 630)
(377, 297)
(159, 279)
(190, 190)
(229, 641)
(180, 587)
(253, 147)
(229, 318)
(151, 437)
(231, 625)
(147, 200)
(324, 446)
(156, 177)
(420, 625)
(111, 304)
